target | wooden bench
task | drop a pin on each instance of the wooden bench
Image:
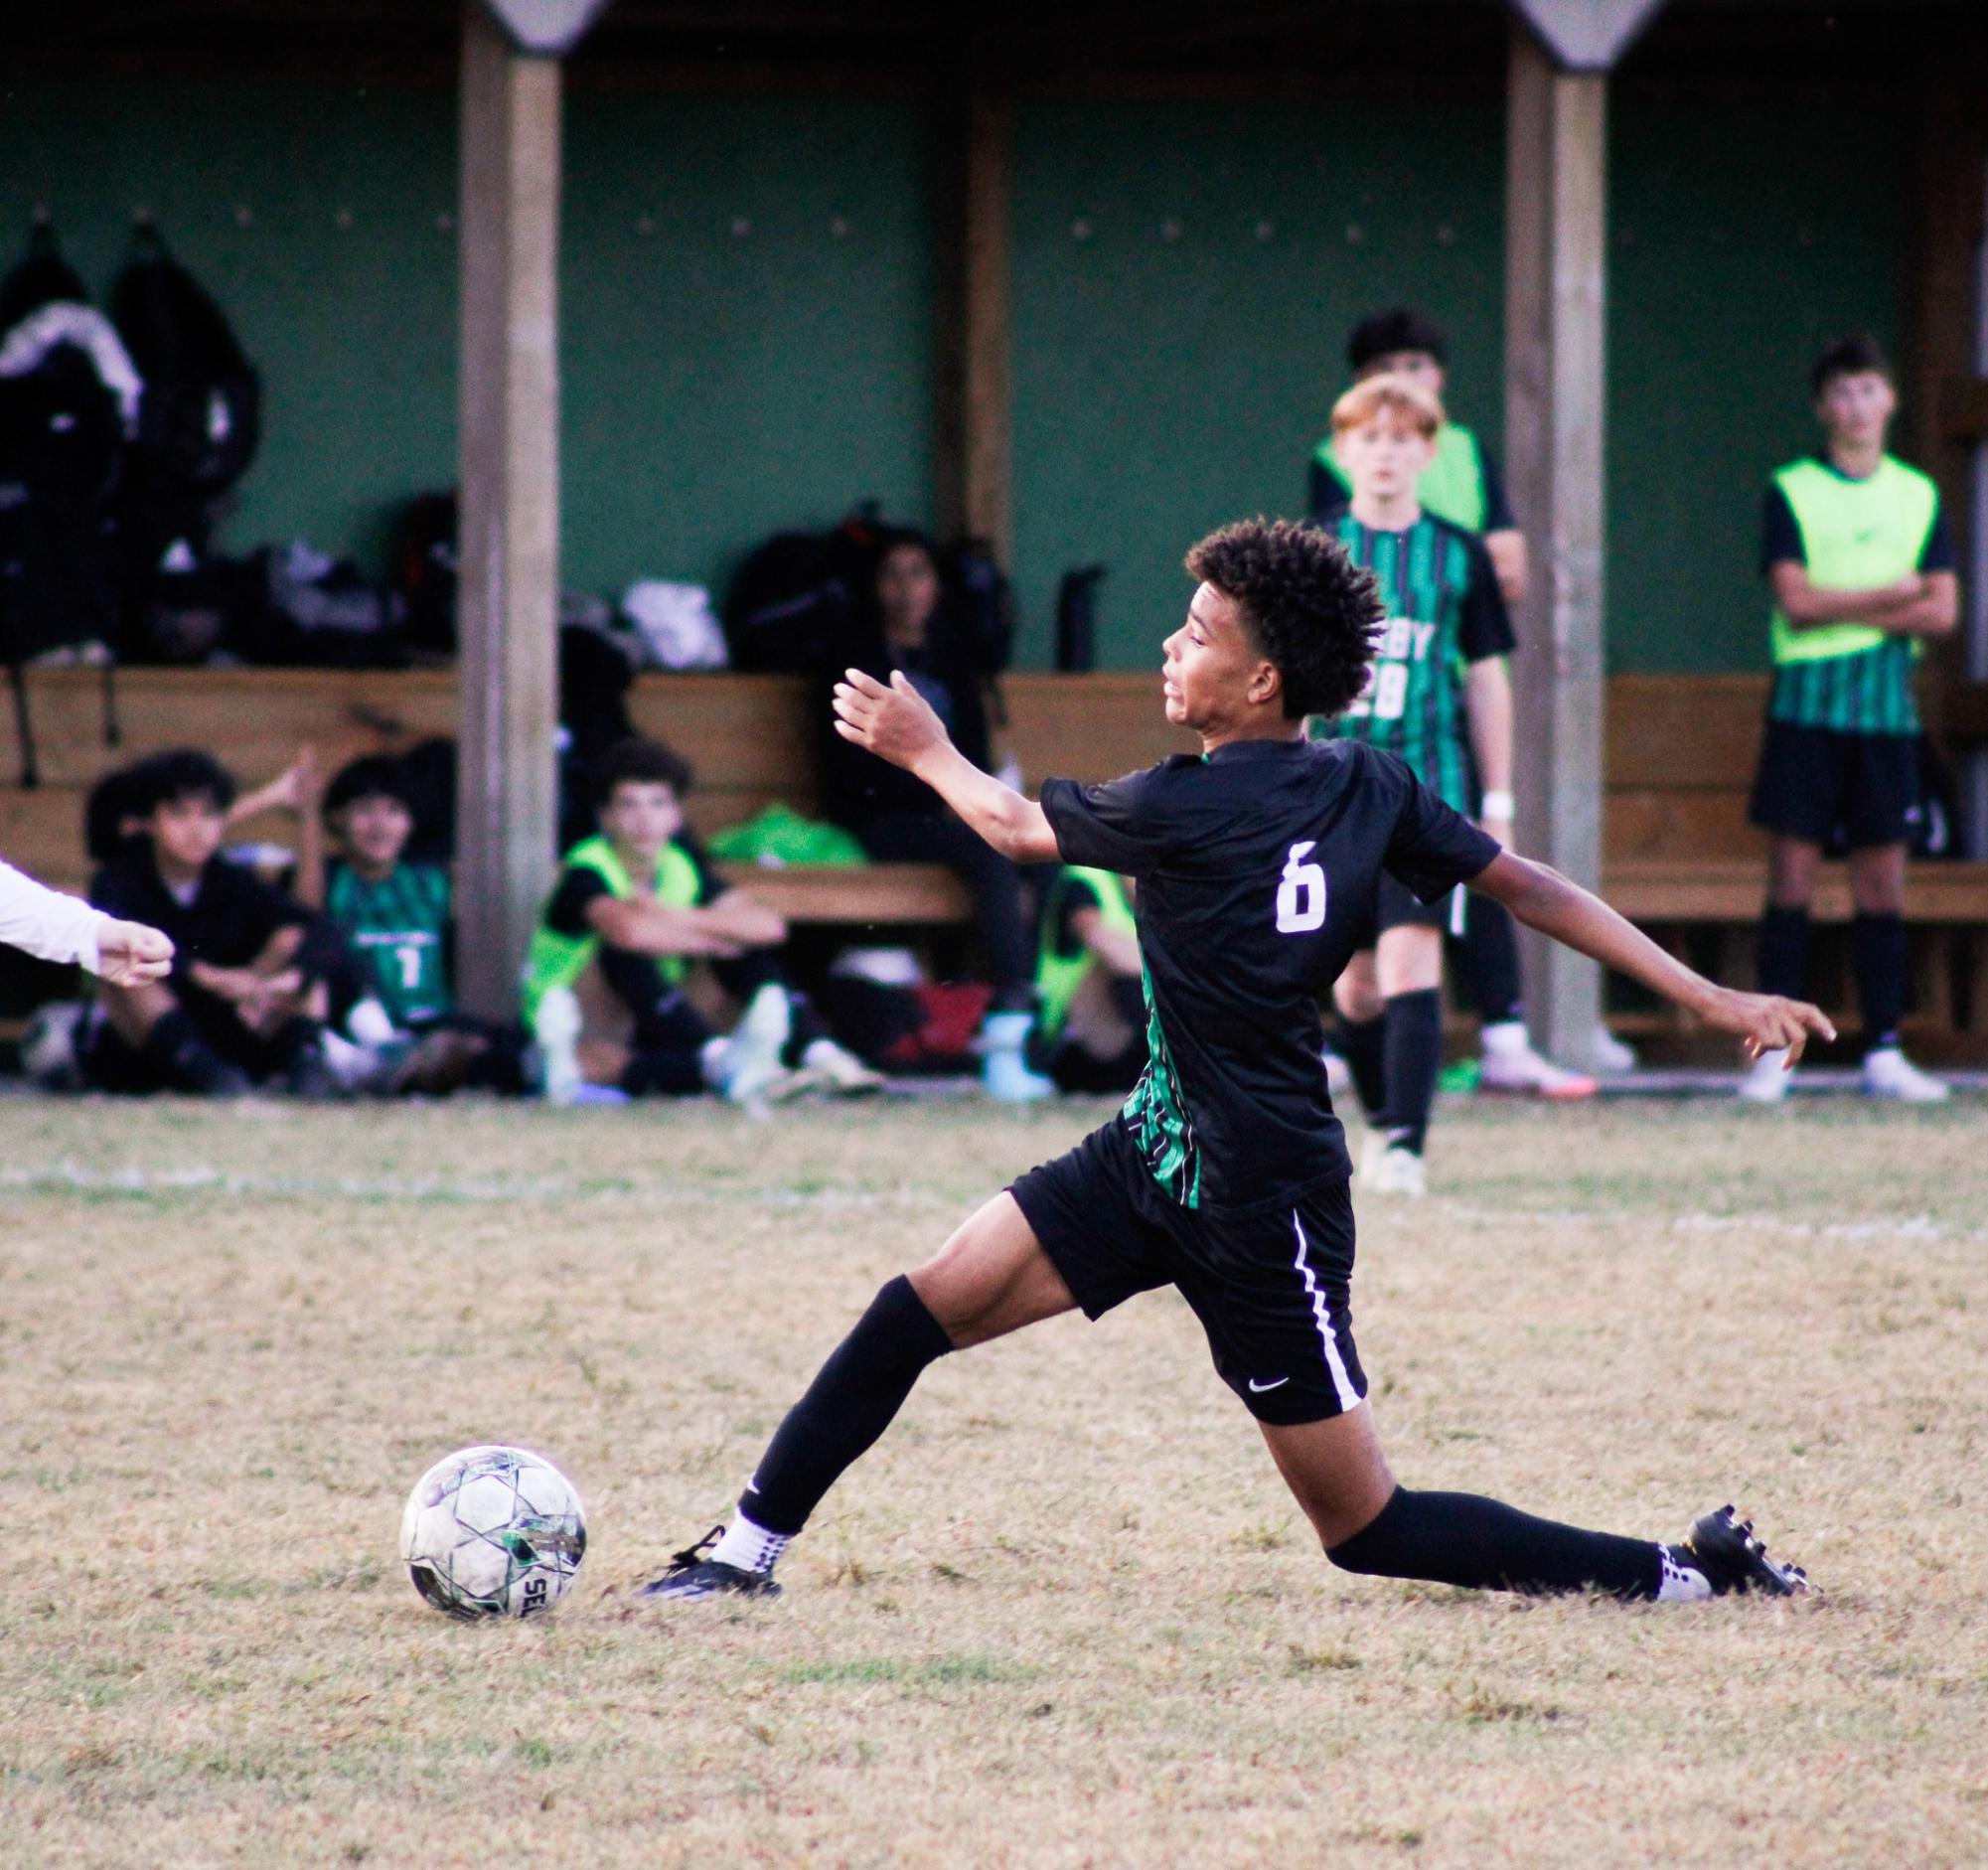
(1680, 857)
(1681, 860)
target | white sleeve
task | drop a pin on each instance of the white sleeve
(46, 923)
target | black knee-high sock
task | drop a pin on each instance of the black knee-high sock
(1485, 1545)
(847, 1407)
(1784, 949)
(1362, 1044)
(1492, 962)
(1878, 960)
(1414, 1023)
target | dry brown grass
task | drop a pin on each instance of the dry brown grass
(1064, 1614)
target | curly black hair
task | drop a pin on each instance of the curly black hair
(1309, 609)
(638, 761)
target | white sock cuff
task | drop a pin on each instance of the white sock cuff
(1680, 1583)
(749, 1547)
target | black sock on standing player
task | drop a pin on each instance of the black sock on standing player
(1362, 1044)
(1414, 1052)
(1878, 960)
(1490, 950)
(1784, 948)
(847, 1405)
(1484, 1545)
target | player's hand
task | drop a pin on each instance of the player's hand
(129, 954)
(1766, 1023)
(896, 722)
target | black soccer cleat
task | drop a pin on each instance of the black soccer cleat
(693, 1575)
(1725, 1552)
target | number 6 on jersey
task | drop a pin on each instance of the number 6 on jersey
(1300, 895)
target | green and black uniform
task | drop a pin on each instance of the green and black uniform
(400, 929)
(1064, 962)
(1840, 756)
(1443, 612)
(1226, 1171)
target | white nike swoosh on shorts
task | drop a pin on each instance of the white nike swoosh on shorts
(1258, 1389)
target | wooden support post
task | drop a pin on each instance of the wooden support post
(976, 442)
(1555, 262)
(508, 526)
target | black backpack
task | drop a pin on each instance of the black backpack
(201, 417)
(794, 597)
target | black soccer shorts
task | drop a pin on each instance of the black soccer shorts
(1813, 781)
(1269, 1283)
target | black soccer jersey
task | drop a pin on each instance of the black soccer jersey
(1258, 866)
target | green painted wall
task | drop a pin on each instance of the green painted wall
(1185, 279)
(1747, 234)
(1173, 361)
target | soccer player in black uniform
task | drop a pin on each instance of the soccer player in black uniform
(1226, 1173)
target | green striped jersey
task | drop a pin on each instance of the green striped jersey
(398, 927)
(1443, 612)
(1870, 691)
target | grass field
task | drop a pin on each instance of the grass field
(1064, 1614)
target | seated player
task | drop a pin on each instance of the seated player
(1226, 1174)
(1091, 1011)
(1439, 598)
(245, 1001)
(632, 907)
(395, 917)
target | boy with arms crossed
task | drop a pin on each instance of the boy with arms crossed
(1226, 1173)
(632, 907)
(1861, 566)
(1442, 609)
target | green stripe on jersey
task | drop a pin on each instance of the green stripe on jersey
(1157, 1114)
(1867, 691)
(1414, 705)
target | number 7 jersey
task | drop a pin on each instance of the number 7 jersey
(1257, 867)
(1443, 612)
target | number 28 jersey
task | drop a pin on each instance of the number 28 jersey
(1443, 612)
(1257, 867)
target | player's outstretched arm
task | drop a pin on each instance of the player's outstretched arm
(1546, 900)
(897, 724)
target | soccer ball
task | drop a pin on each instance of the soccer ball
(493, 1532)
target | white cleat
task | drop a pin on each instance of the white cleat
(1396, 1170)
(1887, 1072)
(1511, 1065)
(1769, 1079)
(838, 1071)
(753, 1074)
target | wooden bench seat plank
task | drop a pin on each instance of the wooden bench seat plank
(923, 894)
(1731, 891)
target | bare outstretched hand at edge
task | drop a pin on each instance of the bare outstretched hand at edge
(130, 954)
(1766, 1023)
(895, 723)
